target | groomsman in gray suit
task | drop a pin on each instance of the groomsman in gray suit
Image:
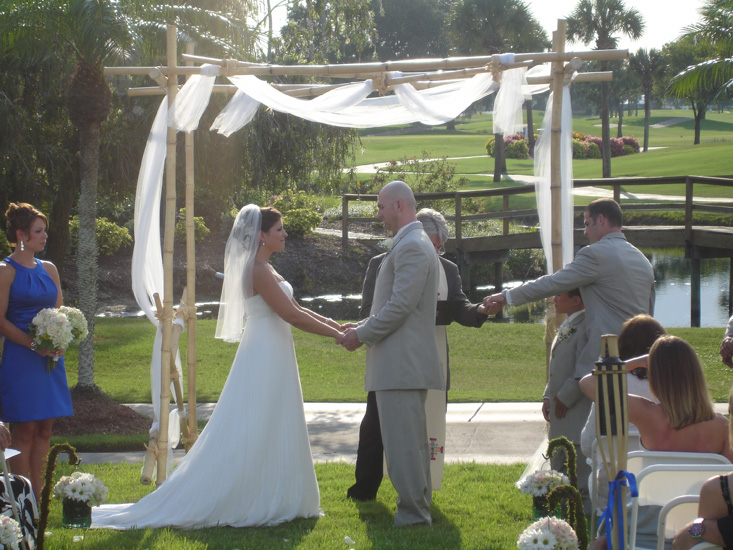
(402, 360)
(564, 405)
(615, 279)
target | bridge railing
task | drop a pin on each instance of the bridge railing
(506, 214)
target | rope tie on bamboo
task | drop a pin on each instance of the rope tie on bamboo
(186, 311)
(163, 316)
(623, 479)
(229, 68)
(155, 449)
(495, 67)
(380, 83)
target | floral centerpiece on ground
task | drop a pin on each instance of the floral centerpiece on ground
(56, 328)
(10, 534)
(548, 533)
(78, 493)
(539, 485)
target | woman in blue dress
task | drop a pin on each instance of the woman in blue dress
(30, 397)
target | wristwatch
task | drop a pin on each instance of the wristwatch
(33, 345)
(697, 528)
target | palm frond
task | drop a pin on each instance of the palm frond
(709, 74)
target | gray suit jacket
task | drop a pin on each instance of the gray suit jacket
(565, 373)
(400, 332)
(615, 280)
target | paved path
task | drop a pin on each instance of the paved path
(496, 433)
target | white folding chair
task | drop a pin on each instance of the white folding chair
(677, 514)
(659, 484)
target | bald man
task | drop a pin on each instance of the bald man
(402, 354)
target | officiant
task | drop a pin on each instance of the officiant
(369, 461)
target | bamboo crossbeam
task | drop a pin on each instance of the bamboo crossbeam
(376, 67)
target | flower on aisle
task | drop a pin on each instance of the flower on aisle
(548, 533)
(542, 482)
(10, 534)
(81, 487)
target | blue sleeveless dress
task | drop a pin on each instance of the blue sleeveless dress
(27, 391)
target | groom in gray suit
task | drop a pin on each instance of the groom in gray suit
(615, 279)
(402, 360)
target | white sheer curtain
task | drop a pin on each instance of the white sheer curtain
(147, 260)
(542, 180)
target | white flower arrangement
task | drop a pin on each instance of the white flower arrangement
(10, 534)
(565, 332)
(81, 487)
(548, 533)
(542, 482)
(55, 328)
(79, 328)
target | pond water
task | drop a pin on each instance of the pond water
(672, 309)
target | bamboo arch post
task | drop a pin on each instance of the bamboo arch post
(190, 435)
(170, 224)
(612, 423)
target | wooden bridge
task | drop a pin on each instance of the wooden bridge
(699, 242)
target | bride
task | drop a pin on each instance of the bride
(252, 464)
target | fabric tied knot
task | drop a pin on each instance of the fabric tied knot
(623, 479)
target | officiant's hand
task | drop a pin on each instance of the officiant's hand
(726, 351)
(560, 408)
(349, 340)
(494, 303)
(546, 409)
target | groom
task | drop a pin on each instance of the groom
(402, 355)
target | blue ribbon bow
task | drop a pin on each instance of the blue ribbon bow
(623, 478)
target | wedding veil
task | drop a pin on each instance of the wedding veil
(239, 261)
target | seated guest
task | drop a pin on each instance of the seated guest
(683, 420)
(714, 523)
(635, 339)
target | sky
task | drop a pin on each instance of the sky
(664, 19)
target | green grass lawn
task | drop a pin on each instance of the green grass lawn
(478, 508)
(672, 152)
(498, 362)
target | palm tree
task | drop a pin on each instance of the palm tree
(598, 21)
(715, 73)
(94, 33)
(648, 67)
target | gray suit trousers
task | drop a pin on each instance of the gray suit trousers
(405, 447)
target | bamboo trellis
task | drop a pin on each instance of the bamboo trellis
(422, 73)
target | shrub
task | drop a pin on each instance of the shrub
(300, 221)
(290, 200)
(489, 146)
(596, 140)
(579, 136)
(631, 142)
(628, 150)
(5, 249)
(199, 227)
(110, 236)
(617, 147)
(517, 149)
(594, 151)
(580, 149)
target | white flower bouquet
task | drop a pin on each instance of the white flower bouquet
(81, 487)
(10, 534)
(548, 533)
(542, 482)
(565, 332)
(55, 328)
(79, 328)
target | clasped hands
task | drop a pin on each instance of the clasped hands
(348, 337)
(492, 304)
(726, 351)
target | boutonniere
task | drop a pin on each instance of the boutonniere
(387, 244)
(565, 332)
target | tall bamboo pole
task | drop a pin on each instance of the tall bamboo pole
(558, 77)
(190, 285)
(170, 222)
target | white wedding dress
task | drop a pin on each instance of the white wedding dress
(252, 464)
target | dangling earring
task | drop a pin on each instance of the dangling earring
(262, 243)
(22, 246)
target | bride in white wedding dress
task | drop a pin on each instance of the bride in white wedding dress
(252, 464)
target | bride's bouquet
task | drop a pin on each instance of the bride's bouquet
(55, 328)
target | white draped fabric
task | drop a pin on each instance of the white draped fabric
(542, 181)
(347, 106)
(147, 260)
